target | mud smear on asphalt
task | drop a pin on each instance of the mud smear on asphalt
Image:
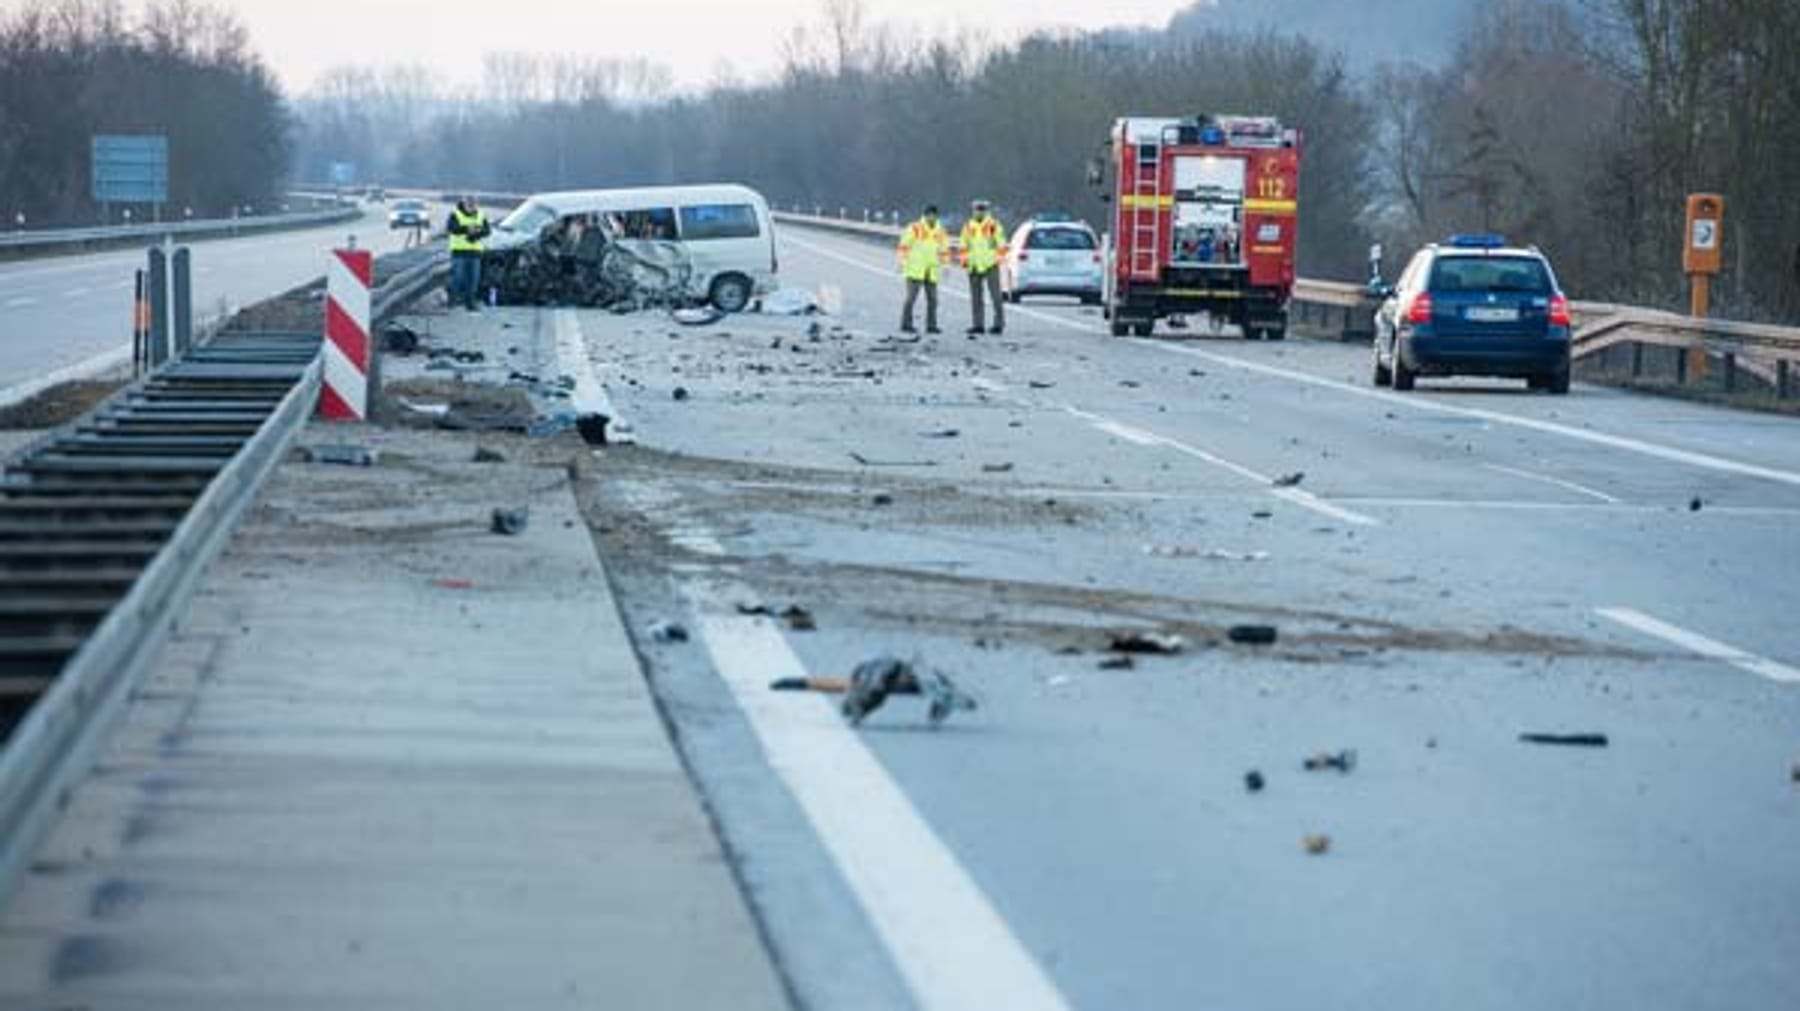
(717, 494)
(59, 405)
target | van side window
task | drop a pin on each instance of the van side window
(719, 221)
(650, 223)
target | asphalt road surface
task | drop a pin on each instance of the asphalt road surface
(65, 310)
(1454, 567)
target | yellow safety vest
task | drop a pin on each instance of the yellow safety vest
(461, 243)
(923, 247)
(983, 244)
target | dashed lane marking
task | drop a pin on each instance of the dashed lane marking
(1700, 645)
(1579, 489)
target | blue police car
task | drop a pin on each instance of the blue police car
(1474, 306)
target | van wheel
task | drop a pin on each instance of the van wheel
(731, 293)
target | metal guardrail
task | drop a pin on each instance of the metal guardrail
(52, 240)
(195, 440)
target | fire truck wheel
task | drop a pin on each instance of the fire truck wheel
(1144, 328)
(1120, 327)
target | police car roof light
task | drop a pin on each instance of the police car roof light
(1478, 241)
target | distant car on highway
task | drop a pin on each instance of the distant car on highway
(410, 214)
(1473, 305)
(1053, 255)
(375, 195)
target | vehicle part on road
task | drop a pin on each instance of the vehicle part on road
(798, 618)
(399, 339)
(1118, 661)
(788, 302)
(874, 680)
(881, 499)
(680, 393)
(1317, 844)
(1289, 480)
(1156, 643)
(827, 686)
(1253, 781)
(667, 632)
(1572, 740)
(1343, 761)
(697, 316)
(486, 455)
(1695, 504)
(871, 462)
(1252, 635)
(510, 522)
(341, 454)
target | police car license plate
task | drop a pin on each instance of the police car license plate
(1491, 314)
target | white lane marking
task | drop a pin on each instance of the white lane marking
(951, 946)
(85, 369)
(1580, 489)
(1699, 644)
(1144, 437)
(1704, 461)
(589, 395)
(21, 302)
(1378, 502)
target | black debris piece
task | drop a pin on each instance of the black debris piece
(798, 618)
(1253, 781)
(1157, 643)
(941, 433)
(468, 357)
(996, 468)
(667, 631)
(486, 455)
(1118, 661)
(1584, 740)
(1039, 384)
(1263, 514)
(592, 428)
(1343, 761)
(867, 461)
(341, 454)
(680, 393)
(1252, 635)
(510, 522)
(1316, 844)
(1695, 504)
(881, 498)
(1290, 480)
(399, 339)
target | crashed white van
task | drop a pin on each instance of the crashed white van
(725, 230)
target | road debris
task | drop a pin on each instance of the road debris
(1156, 643)
(1253, 781)
(341, 454)
(1252, 635)
(788, 302)
(1316, 844)
(1794, 772)
(872, 462)
(667, 631)
(799, 618)
(826, 686)
(1041, 384)
(680, 393)
(941, 433)
(881, 499)
(1343, 761)
(996, 468)
(1209, 554)
(486, 455)
(697, 316)
(1289, 480)
(399, 339)
(1118, 661)
(510, 522)
(1695, 504)
(454, 584)
(1570, 740)
(874, 680)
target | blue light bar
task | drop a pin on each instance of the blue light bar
(1212, 136)
(1478, 241)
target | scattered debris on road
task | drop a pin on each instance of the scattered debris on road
(872, 462)
(881, 499)
(1343, 761)
(667, 631)
(825, 686)
(799, 618)
(1317, 844)
(486, 455)
(1695, 504)
(697, 316)
(1209, 554)
(1118, 661)
(941, 433)
(874, 680)
(680, 393)
(1253, 781)
(1155, 643)
(788, 302)
(510, 522)
(399, 339)
(1569, 740)
(1289, 480)
(341, 454)
(1252, 635)
(996, 468)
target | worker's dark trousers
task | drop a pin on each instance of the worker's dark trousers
(465, 279)
(987, 282)
(913, 287)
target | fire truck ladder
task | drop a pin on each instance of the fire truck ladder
(1145, 219)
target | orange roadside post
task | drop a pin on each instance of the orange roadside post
(1701, 258)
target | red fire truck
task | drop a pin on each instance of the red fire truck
(1204, 215)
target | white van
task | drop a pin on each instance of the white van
(725, 228)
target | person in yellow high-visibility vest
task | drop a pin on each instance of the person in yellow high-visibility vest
(924, 248)
(467, 227)
(983, 247)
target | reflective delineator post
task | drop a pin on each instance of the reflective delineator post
(345, 395)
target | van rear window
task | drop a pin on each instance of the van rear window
(1490, 273)
(719, 221)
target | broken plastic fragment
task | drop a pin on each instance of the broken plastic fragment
(874, 680)
(1147, 642)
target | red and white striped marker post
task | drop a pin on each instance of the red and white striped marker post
(345, 395)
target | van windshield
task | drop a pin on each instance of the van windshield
(529, 219)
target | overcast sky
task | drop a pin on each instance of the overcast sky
(693, 38)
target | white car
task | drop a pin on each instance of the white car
(1052, 255)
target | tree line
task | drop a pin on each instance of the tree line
(1577, 125)
(70, 69)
